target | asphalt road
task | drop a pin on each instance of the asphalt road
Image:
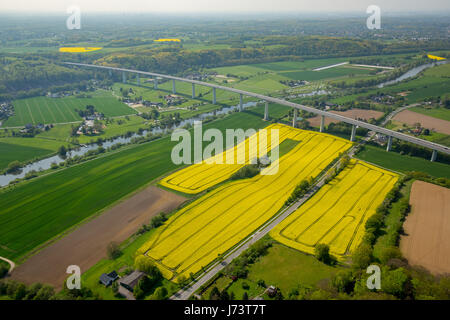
(184, 294)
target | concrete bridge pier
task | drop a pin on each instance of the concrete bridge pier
(124, 77)
(322, 123)
(174, 89)
(433, 156)
(352, 137)
(214, 96)
(241, 102)
(294, 118)
(193, 91)
(110, 72)
(266, 111)
(389, 144)
(155, 83)
(138, 79)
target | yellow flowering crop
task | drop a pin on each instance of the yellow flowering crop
(201, 176)
(78, 49)
(194, 236)
(336, 215)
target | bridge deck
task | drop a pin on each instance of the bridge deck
(397, 135)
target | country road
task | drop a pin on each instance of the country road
(184, 294)
(12, 264)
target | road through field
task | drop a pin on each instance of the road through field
(185, 293)
(12, 265)
(87, 245)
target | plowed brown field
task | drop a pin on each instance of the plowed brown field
(411, 118)
(427, 228)
(86, 245)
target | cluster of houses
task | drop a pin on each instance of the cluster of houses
(383, 98)
(170, 100)
(88, 126)
(32, 128)
(173, 100)
(200, 76)
(126, 284)
(59, 94)
(294, 83)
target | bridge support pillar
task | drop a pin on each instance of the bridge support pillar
(241, 102)
(322, 123)
(138, 79)
(174, 89)
(389, 144)
(110, 72)
(433, 156)
(193, 91)
(266, 111)
(155, 83)
(352, 137)
(124, 77)
(214, 96)
(294, 118)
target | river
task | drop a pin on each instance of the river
(410, 73)
(46, 163)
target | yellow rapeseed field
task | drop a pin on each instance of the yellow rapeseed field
(194, 236)
(336, 215)
(201, 176)
(78, 49)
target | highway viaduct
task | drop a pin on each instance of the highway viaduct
(355, 123)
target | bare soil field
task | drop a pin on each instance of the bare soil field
(427, 228)
(352, 113)
(411, 117)
(86, 245)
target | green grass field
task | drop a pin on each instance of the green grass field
(440, 113)
(437, 137)
(433, 83)
(392, 221)
(11, 152)
(403, 163)
(284, 268)
(34, 212)
(60, 110)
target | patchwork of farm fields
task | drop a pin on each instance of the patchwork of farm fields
(337, 213)
(212, 171)
(59, 110)
(194, 236)
(34, 212)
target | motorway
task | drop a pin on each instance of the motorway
(357, 123)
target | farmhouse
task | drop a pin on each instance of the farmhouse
(131, 280)
(107, 279)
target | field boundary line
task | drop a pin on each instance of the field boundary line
(259, 233)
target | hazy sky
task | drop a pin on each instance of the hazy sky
(130, 6)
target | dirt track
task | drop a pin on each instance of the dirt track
(86, 245)
(427, 228)
(410, 118)
(352, 113)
